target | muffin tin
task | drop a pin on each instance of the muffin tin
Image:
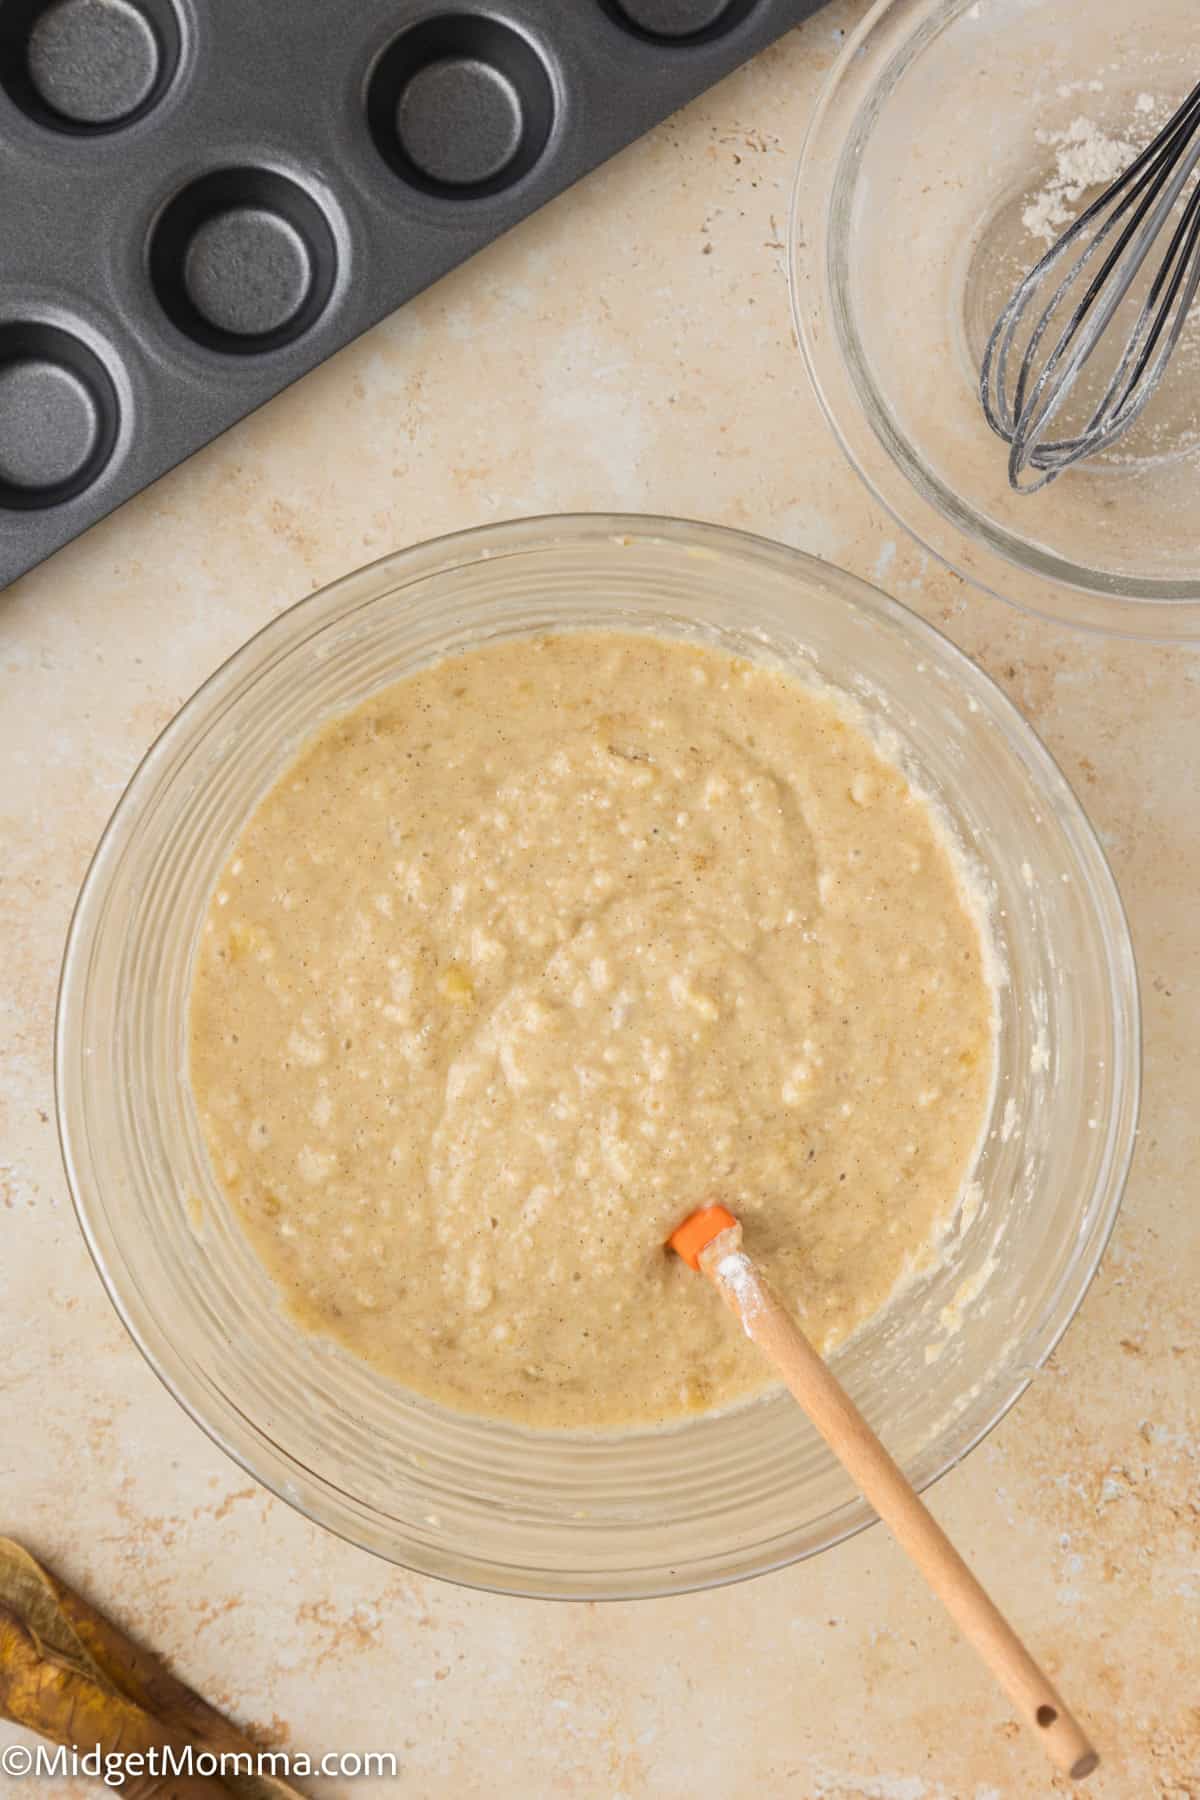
(204, 199)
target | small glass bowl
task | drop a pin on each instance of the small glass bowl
(560, 1513)
(939, 143)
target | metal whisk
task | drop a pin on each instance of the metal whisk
(1139, 203)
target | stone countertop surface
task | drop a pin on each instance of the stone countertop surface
(628, 348)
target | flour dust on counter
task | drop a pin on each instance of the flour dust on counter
(538, 949)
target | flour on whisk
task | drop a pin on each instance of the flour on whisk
(1085, 157)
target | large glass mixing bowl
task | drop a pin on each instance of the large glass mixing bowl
(557, 1513)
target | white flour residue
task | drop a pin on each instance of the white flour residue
(968, 1208)
(1085, 157)
(1009, 1122)
(951, 1317)
(736, 1272)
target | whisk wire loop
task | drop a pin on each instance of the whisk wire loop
(1021, 407)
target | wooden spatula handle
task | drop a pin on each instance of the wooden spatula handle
(775, 1332)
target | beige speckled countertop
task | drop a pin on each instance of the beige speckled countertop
(630, 347)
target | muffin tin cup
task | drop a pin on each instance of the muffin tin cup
(461, 106)
(243, 260)
(237, 192)
(84, 67)
(59, 414)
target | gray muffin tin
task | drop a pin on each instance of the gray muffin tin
(203, 199)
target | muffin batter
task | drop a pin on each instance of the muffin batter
(543, 947)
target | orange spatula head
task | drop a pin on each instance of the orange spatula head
(698, 1231)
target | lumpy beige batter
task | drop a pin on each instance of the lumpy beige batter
(541, 948)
